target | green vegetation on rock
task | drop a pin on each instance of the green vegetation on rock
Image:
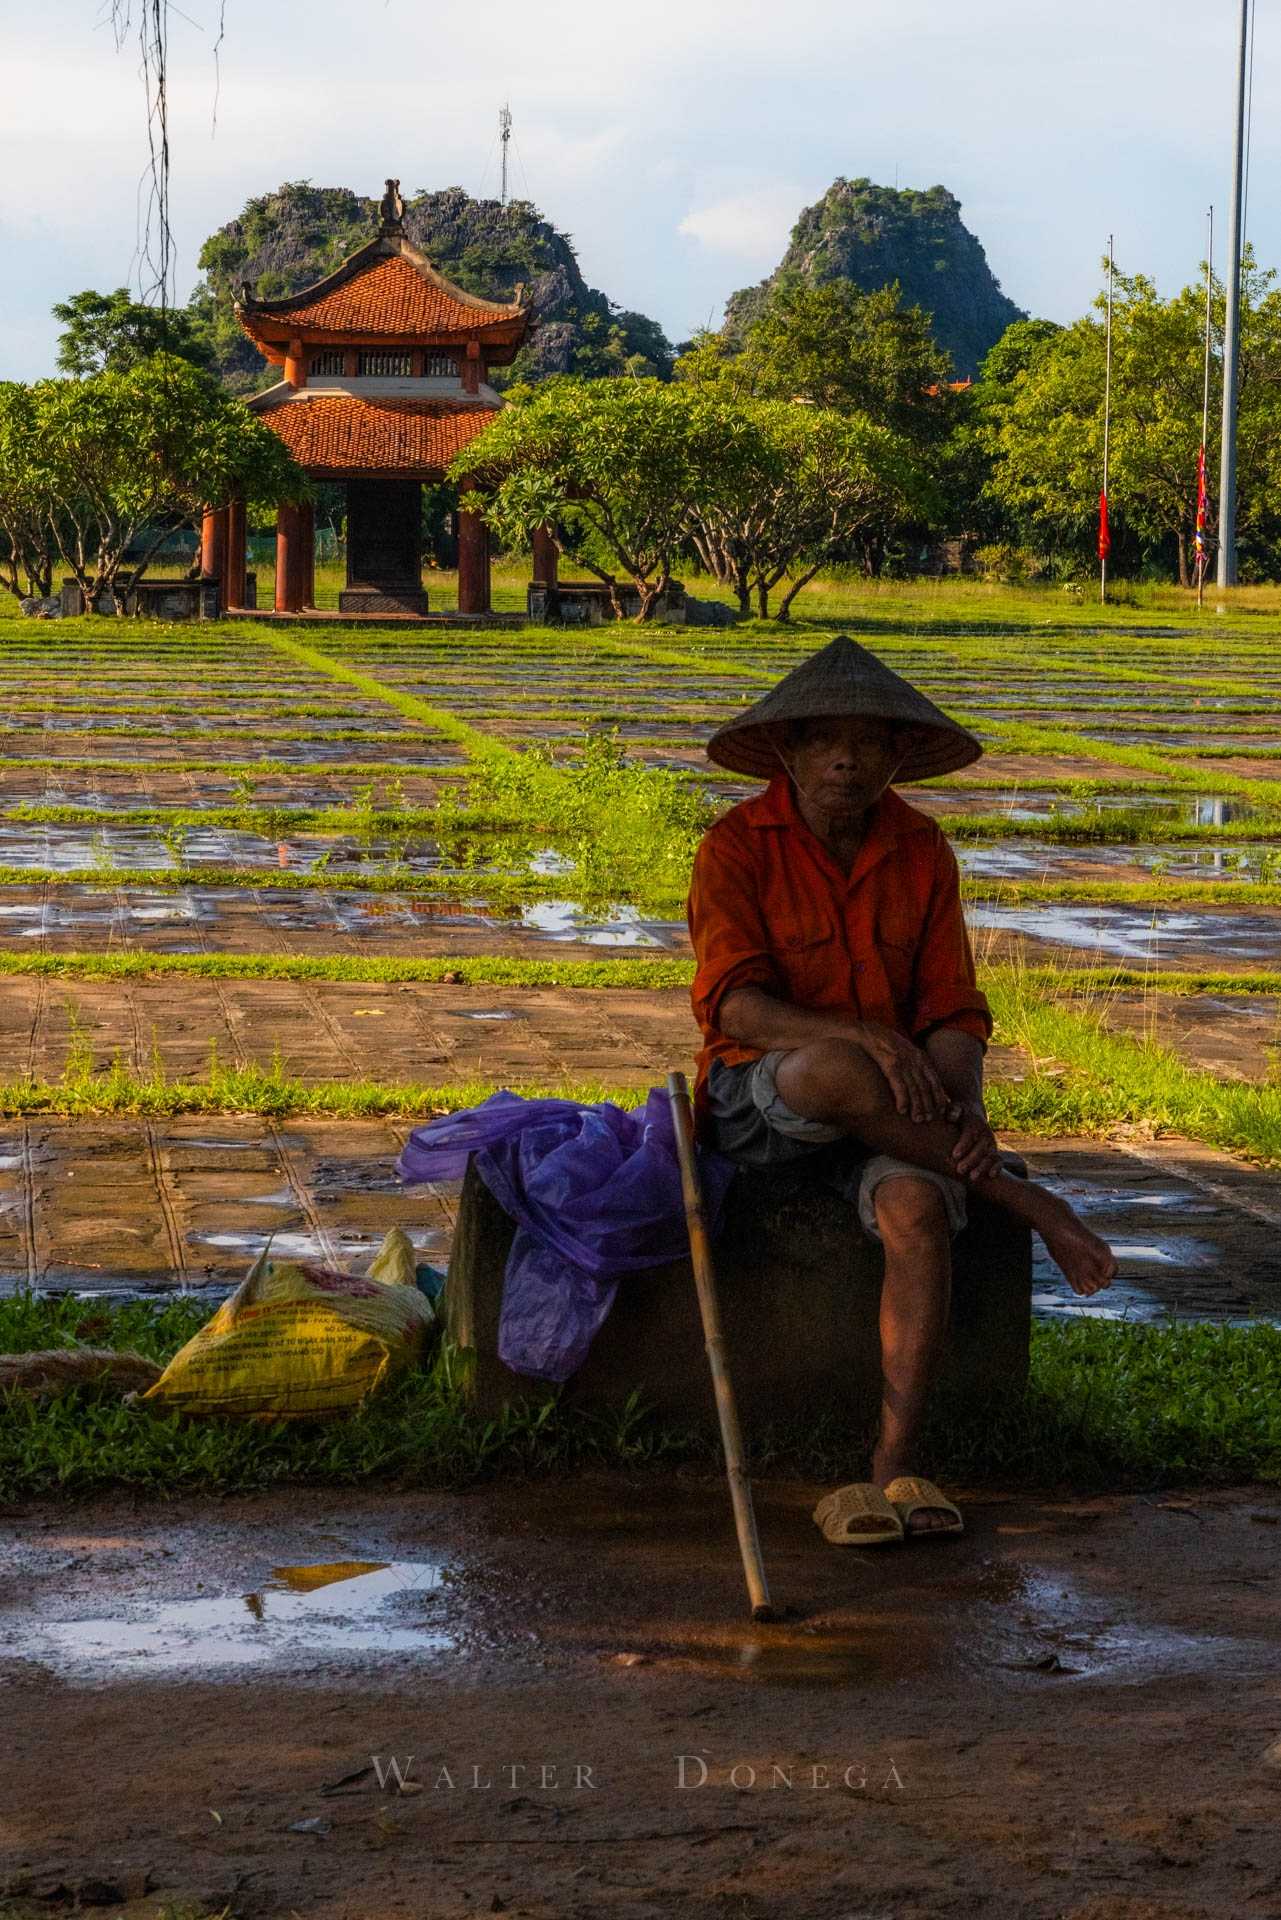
(286, 240)
(877, 236)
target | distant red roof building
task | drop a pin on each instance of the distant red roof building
(384, 367)
(336, 435)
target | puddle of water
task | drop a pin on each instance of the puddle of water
(65, 849)
(1002, 1617)
(308, 1246)
(623, 926)
(1138, 937)
(1209, 810)
(323, 1612)
(482, 1013)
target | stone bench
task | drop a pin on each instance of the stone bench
(799, 1285)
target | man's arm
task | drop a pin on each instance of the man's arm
(958, 1060)
(759, 1019)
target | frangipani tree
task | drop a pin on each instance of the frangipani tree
(28, 537)
(812, 486)
(615, 468)
(119, 459)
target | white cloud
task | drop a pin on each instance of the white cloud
(747, 226)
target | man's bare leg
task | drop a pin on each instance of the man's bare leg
(916, 1295)
(837, 1082)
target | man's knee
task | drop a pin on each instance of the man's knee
(911, 1212)
(832, 1078)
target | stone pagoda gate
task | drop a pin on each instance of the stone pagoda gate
(384, 381)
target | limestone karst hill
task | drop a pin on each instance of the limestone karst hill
(287, 239)
(873, 235)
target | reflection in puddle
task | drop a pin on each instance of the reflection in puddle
(1138, 936)
(322, 1612)
(1000, 1617)
(1031, 859)
(308, 1246)
(621, 927)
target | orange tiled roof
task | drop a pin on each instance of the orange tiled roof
(341, 433)
(390, 298)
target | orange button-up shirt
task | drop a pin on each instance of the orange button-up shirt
(770, 907)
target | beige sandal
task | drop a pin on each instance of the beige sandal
(910, 1494)
(844, 1516)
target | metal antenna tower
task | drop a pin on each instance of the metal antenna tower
(504, 136)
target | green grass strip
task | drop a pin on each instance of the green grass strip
(482, 888)
(626, 973)
(1203, 896)
(1102, 826)
(477, 745)
(476, 890)
(272, 1091)
(1087, 1078)
(1108, 1406)
(479, 970)
(498, 970)
(353, 818)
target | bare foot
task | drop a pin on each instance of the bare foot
(1088, 1262)
(888, 1467)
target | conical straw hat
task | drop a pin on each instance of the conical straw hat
(843, 680)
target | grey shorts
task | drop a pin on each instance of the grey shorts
(750, 1122)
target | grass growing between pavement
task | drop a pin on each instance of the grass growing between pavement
(1081, 1079)
(1108, 1405)
(655, 974)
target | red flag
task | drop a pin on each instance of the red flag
(1202, 506)
(1105, 538)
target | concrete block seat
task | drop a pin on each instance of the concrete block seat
(799, 1283)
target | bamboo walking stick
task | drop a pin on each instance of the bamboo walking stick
(740, 1491)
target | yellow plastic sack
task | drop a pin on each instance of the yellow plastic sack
(298, 1341)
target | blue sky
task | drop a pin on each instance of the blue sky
(675, 143)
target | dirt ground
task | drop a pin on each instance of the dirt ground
(1062, 1714)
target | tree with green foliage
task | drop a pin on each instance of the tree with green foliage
(812, 486)
(111, 332)
(614, 467)
(855, 352)
(28, 537)
(117, 460)
(962, 468)
(1045, 433)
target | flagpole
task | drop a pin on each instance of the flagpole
(1227, 570)
(1202, 555)
(1105, 539)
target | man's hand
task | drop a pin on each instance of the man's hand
(918, 1091)
(976, 1154)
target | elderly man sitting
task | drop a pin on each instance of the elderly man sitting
(841, 1017)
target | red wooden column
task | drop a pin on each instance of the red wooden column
(546, 557)
(289, 538)
(213, 542)
(232, 593)
(307, 570)
(473, 558)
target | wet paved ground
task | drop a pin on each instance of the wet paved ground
(128, 1206)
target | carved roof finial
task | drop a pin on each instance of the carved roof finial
(391, 209)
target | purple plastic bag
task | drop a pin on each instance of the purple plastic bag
(595, 1192)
